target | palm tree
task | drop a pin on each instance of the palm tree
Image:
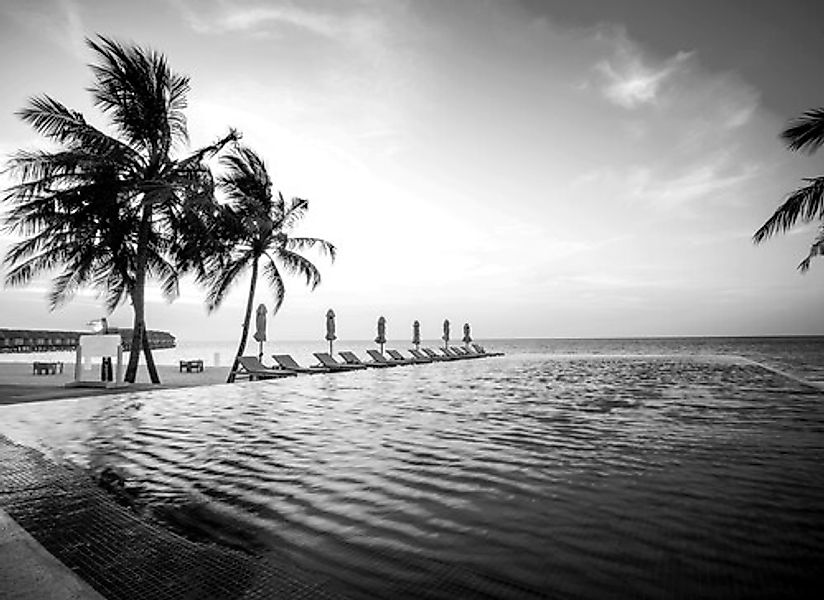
(112, 210)
(805, 134)
(254, 227)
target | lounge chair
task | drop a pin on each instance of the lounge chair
(251, 367)
(448, 353)
(380, 358)
(482, 351)
(327, 361)
(394, 355)
(420, 356)
(463, 352)
(435, 356)
(288, 363)
(352, 359)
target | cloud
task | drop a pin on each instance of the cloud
(329, 21)
(58, 21)
(630, 80)
(663, 188)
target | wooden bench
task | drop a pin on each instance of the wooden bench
(191, 365)
(46, 368)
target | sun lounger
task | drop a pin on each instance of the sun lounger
(435, 356)
(394, 355)
(327, 361)
(352, 359)
(482, 351)
(251, 367)
(463, 352)
(420, 356)
(453, 355)
(288, 363)
(380, 358)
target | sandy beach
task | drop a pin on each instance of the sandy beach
(18, 384)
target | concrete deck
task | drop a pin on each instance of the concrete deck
(18, 384)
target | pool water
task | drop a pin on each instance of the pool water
(535, 474)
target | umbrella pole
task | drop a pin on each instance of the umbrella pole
(330, 346)
(260, 352)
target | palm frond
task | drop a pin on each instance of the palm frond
(804, 204)
(221, 281)
(806, 133)
(294, 213)
(245, 181)
(276, 284)
(302, 243)
(59, 123)
(295, 264)
(159, 268)
(817, 249)
(142, 96)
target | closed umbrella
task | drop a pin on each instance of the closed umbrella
(467, 338)
(416, 335)
(260, 329)
(445, 336)
(330, 328)
(381, 338)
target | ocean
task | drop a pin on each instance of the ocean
(656, 468)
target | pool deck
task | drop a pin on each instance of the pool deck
(18, 384)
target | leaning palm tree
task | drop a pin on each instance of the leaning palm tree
(806, 204)
(112, 210)
(254, 227)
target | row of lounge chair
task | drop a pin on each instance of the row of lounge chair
(253, 368)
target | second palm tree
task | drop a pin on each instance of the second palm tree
(253, 230)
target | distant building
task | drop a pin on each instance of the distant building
(43, 340)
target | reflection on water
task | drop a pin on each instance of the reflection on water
(531, 474)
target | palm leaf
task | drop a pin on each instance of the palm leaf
(275, 280)
(221, 281)
(806, 133)
(295, 264)
(805, 204)
(302, 243)
(817, 249)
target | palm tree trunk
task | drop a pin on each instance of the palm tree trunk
(245, 334)
(147, 351)
(137, 334)
(139, 295)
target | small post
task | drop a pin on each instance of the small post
(118, 379)
(78, 363)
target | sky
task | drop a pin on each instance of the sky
(534, 168)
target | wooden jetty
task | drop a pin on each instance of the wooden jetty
(47, 340)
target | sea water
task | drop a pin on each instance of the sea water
(567, 468)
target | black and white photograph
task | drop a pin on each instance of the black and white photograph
(411, 299)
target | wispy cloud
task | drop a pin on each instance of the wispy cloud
(333, 21)
(630, 80)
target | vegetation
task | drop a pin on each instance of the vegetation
(254, 228)
(110, 211)
(806, 204)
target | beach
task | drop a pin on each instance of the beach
(18, 384)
